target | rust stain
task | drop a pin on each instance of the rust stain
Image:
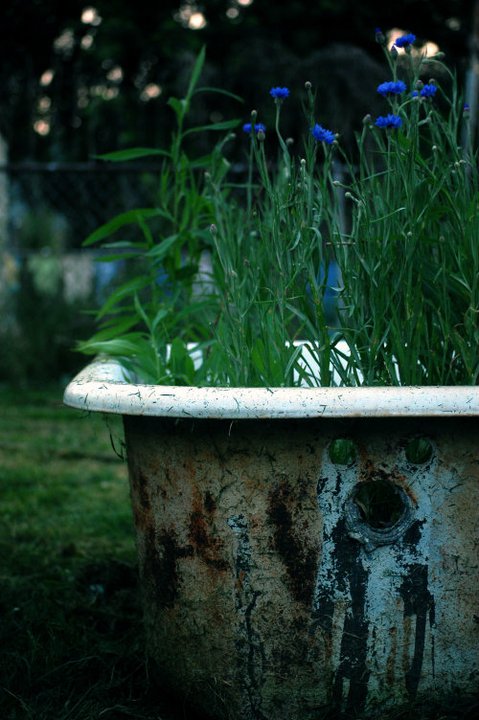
(160, 565)
(141, 503)
(239, 583)
(420, 603)
(391, 660)
(184, 549)
(371, 473)
(365, 463)
(207, 545)
(403, 482)
(189, 467)
(407, 629)
(328, 646)
(299, 559)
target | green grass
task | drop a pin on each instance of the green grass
(71, 643)
(71, 634)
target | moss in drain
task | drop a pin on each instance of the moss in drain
(419, 451)
(342, 451)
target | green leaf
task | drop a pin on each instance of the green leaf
(160, 315)
(293, 362)
(179, 106)
(114, 329)
(196, 72)
(224, 125)
(159, 251)
(141, 312)
(127, 345)
(403, 141)
(147, 234)
(128, 288)
(127, 244)
(180, 363)
(201, 162)
(126, 218)
(219, 91)
(133, 154)
(258, 355)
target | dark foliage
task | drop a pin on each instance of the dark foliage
(263, 45)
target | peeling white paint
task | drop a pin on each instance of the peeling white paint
(102, 386)
(385, 620)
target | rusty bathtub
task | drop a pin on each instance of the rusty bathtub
(303, 549)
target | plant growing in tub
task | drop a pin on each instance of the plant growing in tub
(408, 257)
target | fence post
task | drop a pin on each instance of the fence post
(3, 195)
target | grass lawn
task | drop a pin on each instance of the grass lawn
(71, 635)
(70, 618)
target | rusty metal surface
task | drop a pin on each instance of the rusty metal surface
(102, 386)
(269, 595)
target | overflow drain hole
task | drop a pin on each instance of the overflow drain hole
(378, 512)
(381, 505)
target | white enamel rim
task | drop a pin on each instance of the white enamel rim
(102, 387)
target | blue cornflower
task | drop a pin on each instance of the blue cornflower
(258, 127)
(379, 36)
(322, 135)
(405, 40)
(391, 88)
(388, 121)
(279, 93)
(429, 90)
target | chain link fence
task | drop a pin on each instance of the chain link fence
(47, 202)
(47, 280)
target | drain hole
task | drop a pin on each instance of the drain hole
(418, 451)
(342, 451)
(380, 503)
